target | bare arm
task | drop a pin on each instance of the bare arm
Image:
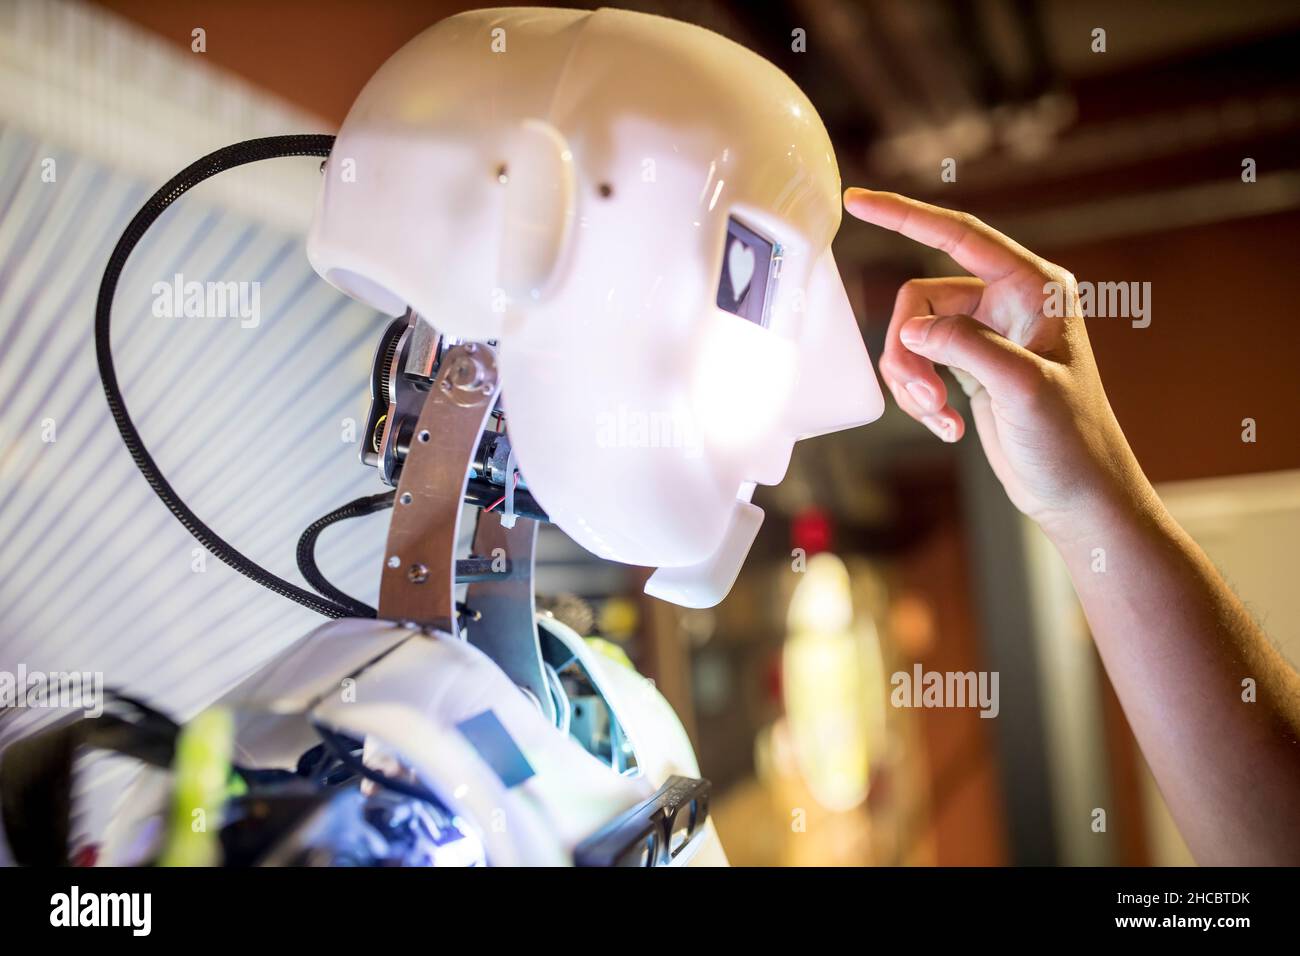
(1215, 708)
(1175, 640)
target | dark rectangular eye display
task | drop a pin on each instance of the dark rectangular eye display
(748, 267)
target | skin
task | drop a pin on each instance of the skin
(1175, 641)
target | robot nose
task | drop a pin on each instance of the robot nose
(837, 384)
(539, 208)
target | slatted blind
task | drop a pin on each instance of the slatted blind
(248, 422)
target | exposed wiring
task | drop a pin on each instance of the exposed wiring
(366, 505)
(563, 706)
(227, 158)
(344, 750)
(311, 571)
(503, 497)
(481, 493)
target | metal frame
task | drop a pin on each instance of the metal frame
(420, 567)
(418, 584)
(506, 626)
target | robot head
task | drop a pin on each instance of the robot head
(639, 213)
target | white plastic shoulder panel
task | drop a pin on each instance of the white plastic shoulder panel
(412, 701)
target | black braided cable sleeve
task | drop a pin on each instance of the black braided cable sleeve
(227, 158)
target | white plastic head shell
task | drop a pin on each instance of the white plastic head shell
(563, 183)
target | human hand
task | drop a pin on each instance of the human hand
(1039, 407)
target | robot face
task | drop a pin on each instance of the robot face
(639, 212)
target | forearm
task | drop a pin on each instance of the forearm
(1180, 648)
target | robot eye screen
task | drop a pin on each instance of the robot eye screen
(749, 265)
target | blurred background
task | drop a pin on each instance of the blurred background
(1165, 149)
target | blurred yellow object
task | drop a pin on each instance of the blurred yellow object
(618, 617)
(201, 772)
(612, 651)
(832, 681)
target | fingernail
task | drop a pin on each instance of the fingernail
(915, 330)
(923, 395)
(940, 426)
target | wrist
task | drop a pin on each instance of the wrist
(1110, 511)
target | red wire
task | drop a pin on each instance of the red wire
(503, 497)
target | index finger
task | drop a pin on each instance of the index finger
(976, 247)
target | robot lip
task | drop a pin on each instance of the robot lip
(705, 583)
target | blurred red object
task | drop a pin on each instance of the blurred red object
(811, 530)
(87, 855)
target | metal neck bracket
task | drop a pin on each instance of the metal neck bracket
(419, 578)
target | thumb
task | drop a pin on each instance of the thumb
(1004, 368)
